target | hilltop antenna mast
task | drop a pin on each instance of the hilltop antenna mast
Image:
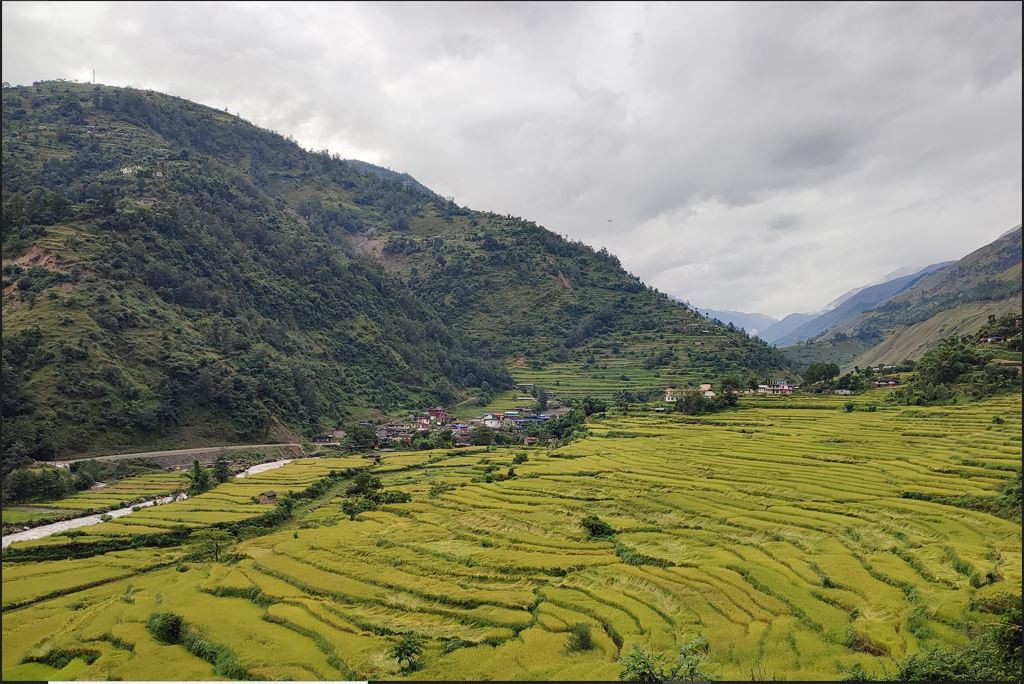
(94, 77)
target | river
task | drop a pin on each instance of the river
(73, 523)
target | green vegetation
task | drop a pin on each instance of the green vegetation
(780, 533)
(640, 665)
(957, 365)
(580, 638)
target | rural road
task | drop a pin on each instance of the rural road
(198, 451)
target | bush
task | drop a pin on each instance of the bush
(596, 527)
(580, 638)
(640, 665)
(165, 627)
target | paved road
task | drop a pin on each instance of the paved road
(175, 452)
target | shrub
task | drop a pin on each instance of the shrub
(165, 627)
(596, 527)
(640, 665)
(580, 638)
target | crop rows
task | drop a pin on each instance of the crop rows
(781, 535)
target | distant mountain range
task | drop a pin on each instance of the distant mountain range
(753, 323)
(901, 315)
(942, 300)
(852, 305)
(797, 327)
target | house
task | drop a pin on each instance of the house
(886, 382)
(659, 409)
(670, 395)
(148, 200)
(844, 392)
(524, 398)
(493, 420)
(783, 387)
(268, 497)
(529, 441)
(438, 415)
(992, 339)
(705, 386)
(710, 394)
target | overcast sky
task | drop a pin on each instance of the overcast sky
(754, 157)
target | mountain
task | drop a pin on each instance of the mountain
(898, 273)
(956, 299)
(857, 302)
(753, 323)
(175, 276)
(785, 326)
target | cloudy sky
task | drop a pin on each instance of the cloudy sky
(754, 157)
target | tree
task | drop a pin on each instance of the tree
(481, 436)
(820, 371)
(363, 483)
(592, 406)
(210, 542)
(353, 507)
(694, 404)
(542, 399)
(222, 469)
(640, 665)
(199, 479)
(360, 436)
(407, 650)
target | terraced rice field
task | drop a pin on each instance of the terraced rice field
(117, 495)
(778, 534)
(614, 371)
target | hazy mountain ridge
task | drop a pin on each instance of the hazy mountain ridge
(753, 323)
(955, 299)
(853, 304)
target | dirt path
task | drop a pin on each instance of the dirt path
(198, 451)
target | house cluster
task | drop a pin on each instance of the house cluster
(887, 381)
(992, 339)
(706, 389)
(419, 425)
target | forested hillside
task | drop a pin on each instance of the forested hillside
(174, 275)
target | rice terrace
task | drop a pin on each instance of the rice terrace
(794, 537)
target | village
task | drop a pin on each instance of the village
(438, 427)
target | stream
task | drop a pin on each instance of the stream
(73, 523)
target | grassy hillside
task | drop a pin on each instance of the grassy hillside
(175, 276)
(954, 300)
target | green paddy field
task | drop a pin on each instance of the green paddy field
(794, 536)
